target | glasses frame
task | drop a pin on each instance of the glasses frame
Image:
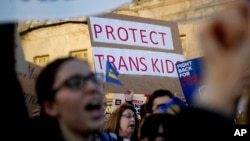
(85, 79)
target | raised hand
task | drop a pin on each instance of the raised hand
(226, 41)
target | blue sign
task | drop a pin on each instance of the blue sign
(190, 75)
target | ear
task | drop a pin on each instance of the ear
(51, 108)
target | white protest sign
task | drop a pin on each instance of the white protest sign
(144, 51)
(138, 100)
(117, 100)
(15, 10)
(131, 33)
(20, 63)
(137, 62)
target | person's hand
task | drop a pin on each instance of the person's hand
(227, 62)
(129, 95)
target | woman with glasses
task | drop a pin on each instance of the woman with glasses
(123, 122)
(71, 104)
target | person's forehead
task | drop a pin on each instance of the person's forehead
(71, 68)
(128, 111)
(161, 99)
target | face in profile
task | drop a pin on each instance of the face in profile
(78, 102)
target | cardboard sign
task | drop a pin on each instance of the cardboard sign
(137, 102)
(118, 99)
(21, 66)
(144, 51)
(28, 81)
(16, 10)
(190, 76)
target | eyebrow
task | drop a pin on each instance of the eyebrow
(128, 113)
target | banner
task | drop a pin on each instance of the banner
(137, 102)
(137, 62)
(144, 51)
(27, 82)
(20, 10)
(190, 76)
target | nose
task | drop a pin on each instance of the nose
(132, 118)
(92, 88)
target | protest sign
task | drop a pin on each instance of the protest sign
(118, 99)
(138, 100)
(20, 63)
(20, 10)
(144, 52)
(27, 82)
(190, 76)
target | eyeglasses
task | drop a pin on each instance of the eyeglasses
(77, 82)
(129, 116)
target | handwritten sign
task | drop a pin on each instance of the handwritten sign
(28, 81)
(144, 51)
(137, 62)
(20, 10)
(21, 66)
(131, 33)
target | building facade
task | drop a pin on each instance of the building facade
(44, 41)
(47, 43)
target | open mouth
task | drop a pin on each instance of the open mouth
(94, 105)
(94, 109)
(132, 125)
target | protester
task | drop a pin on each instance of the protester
(128, 96)
(161, 109)
(70, 99)
(156, 127)
(212, 114)
(226, 44)
(227, 75)
(158, 98)
(124, 122)
(142, 112)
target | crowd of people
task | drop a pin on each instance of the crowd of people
(72, 106)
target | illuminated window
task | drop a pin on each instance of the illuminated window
(80, 54)
(41, 60)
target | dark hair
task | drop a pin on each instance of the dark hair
(46, 80)
(44, 88)
(113, 124)
(142, 111)
(156, 94)
(150, 126)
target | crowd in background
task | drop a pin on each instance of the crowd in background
(72, 106)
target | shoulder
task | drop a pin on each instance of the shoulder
(109, 136)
